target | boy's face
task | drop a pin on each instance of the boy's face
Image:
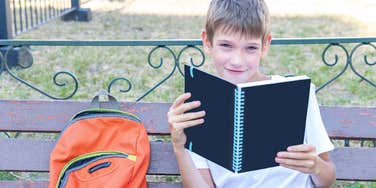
(236, 58)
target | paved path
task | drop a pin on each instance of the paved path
(362, 11)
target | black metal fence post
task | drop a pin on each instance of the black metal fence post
(15, 56)
(6, 31)
(75, 3)
(79, 14)
(5, 25)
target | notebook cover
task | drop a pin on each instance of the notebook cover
(213, 139)
(275, 118)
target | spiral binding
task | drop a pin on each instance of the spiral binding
(237, 153)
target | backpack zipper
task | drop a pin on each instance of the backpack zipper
(95, 156)
(96, 112)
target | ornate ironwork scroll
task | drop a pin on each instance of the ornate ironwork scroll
(56, 81)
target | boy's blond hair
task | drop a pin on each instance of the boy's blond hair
(250, 18)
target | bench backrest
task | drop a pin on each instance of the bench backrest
(32, 154)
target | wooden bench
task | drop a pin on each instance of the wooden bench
(32, 154)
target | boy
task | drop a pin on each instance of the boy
(237, 36)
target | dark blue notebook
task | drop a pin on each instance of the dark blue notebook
(246, 124)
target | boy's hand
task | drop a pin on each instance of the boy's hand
(300, 157)
(179, 120)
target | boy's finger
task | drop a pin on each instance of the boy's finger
(188, 116)
(302, 148)
(182, 126)
(187, 106)
(293, 162)
(180, 100)
(294, 155)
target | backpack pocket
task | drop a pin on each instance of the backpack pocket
(98, 169)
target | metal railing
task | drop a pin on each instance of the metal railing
(17, 16)
(339, 43)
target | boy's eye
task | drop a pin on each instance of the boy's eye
(225, 45)
(251, 48)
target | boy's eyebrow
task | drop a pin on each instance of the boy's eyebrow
(251, 43)
(224, 41)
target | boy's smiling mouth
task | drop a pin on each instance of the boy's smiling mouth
(234, 71)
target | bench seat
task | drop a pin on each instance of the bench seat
(42, 116)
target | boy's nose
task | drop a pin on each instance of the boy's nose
(237, 59)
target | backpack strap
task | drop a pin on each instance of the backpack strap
(113, 103)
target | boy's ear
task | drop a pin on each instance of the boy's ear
(206, 43)
(266, 46)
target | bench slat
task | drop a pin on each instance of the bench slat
(24, 184)
(32, 155)
(44, 184)
(350, 122)
(52, 116)
(355, 163)
(351, 163)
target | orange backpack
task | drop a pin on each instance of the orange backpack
(101, 148)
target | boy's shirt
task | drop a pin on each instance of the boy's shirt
(315, 133)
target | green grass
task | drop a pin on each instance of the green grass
(95, 67)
